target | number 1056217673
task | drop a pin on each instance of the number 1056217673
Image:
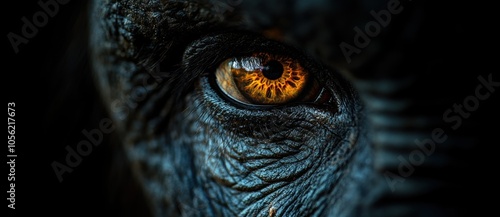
(11, 126)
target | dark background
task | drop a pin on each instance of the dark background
(55, 100)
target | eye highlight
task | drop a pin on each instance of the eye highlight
(263, 79)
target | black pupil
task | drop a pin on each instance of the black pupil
(273, 70)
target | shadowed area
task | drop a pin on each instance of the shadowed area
(391, 124)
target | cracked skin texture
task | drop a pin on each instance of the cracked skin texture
(194, 153)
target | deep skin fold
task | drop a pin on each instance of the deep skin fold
(195, 154)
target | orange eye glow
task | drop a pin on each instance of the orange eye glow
(262, 78)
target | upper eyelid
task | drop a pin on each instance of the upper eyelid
(212, 49)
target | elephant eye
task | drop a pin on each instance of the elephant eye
(266, 79)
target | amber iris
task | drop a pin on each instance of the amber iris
(262, 78)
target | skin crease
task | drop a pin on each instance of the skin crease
(196, 153)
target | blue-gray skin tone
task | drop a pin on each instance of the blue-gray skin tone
(196, 153)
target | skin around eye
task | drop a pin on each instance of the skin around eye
(262, 79)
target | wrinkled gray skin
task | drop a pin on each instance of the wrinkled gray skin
(196, 154)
